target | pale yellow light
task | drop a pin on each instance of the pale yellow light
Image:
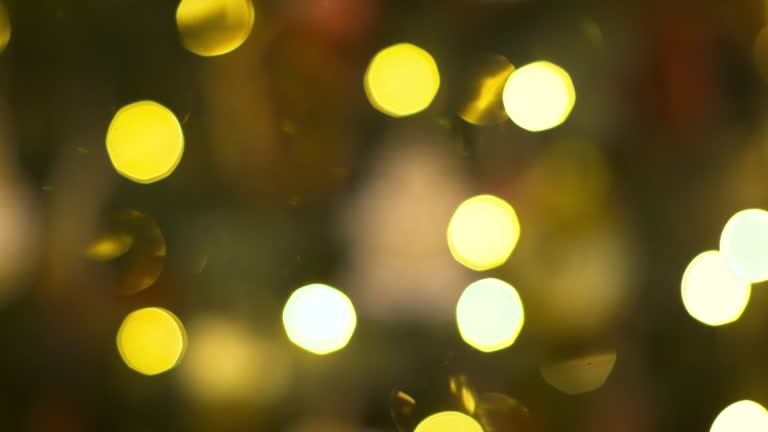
(539, 96)
(145, 142)
(5, 27)
(490, 315)
(744, 244)
(449, 421)
(214, 27)
(711, 292)
(319, 318)
(743, 416)
(151, 340)
(580, 375)
(109, 247)
(401, 80)
(483, 232)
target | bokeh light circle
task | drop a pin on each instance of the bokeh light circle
(539, 96)
(490, 315)
(449, 421)
(401, 80)
(742, 416)
(712, 293)
(214, 27)
(482, 232)
(319, 318)
(145, 142)
(744, 244)
(151, 340)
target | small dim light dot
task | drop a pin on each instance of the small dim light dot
(145, 142)
(744, 243)
(214, 27)
(449, 421)
(483, 232)
(490, 315)
(401, 80)
(151, 340)
(5, 28)
(319, 318)
(743, 416)
(539, 96)
(109, 247)
(711, 292)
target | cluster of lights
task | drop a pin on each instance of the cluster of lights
(716, 285)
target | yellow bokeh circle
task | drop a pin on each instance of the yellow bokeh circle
(483, 232)
(151, 340)
(742, 416)
(401, 80)
(712, 293)
(319, 318)
(490, 315)
(145, 142)
(214, 27)
(449, 421)
(539, 96)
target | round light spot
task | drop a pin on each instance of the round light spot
(151, 340)
(580, 375)
(214, 27)
(449, 421)
(539, 96)
(483, 232)
(743, 416)
(490, 315)
(744, 243)
(401, 80)
(711, 292)
(145, 142)
(5, 28)
(319, 318)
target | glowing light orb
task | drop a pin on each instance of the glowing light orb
(5, 28)
(482, 232)
(744, 244)
(319, 318)
(743, 416)
(151, 340)
(539, 96)
(449, 421)
(401, 80)
(214, 27)
(145, 142)
(490, 315)
(711, 292)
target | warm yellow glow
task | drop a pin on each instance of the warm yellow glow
(539, 96)
(483, 105)
(109, 247)
(580, 375)
(449, 421)
(214, 27)
(145, 142)
(319, 318)
(401, 80)
(744, 244)
(151, 340)
(743, 416)
(711, 292)
(490, 315)
(483, 232)
(5, 27)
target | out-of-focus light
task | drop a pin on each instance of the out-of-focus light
(151, 340)
(743, 416)
(744, 244)
(5, 28)
(483, 105)
(401, 80)
(109, 247)
(214, 27)
(483, 232)
(539, 96)
(145, 142)
(580, 375)
(449, 421)
(490, 315)
(319, 318)
(711, 292)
